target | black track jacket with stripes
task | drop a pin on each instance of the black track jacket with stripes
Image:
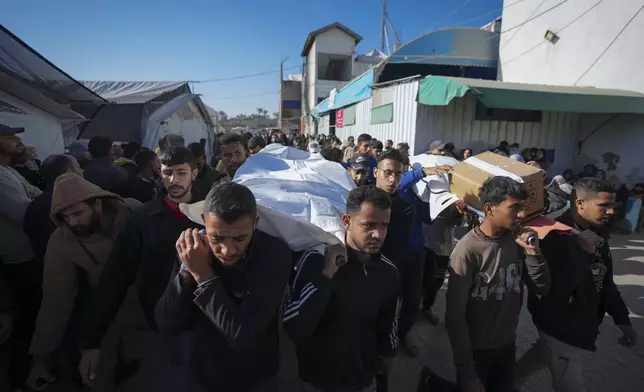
(342, 325)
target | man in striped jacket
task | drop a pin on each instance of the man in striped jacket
(343, 315)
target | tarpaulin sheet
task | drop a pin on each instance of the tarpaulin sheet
(441, 90)
(134, 91)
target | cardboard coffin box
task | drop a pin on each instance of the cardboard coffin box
(468, 176)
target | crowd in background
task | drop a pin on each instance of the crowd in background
(81, 229)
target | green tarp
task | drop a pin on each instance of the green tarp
(440, 90)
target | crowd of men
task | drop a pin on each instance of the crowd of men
(105, 281)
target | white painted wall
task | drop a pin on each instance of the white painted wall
(335, 41)
(586, 28)
(43, 131)
(622, 135)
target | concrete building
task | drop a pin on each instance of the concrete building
(290, 104)
(585, 44)
(329, 54)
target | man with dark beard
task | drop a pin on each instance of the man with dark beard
(144, 249)
(88, 220)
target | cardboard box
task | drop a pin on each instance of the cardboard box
(468, 176)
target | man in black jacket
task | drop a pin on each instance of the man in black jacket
(582, 291)
(343, 319)
(144, 249)
(388, 175)
(226, 296)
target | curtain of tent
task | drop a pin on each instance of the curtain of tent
(151, 124)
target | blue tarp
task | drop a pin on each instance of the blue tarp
(357, 90)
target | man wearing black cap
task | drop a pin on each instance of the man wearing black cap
(359, 166)
(22, 271)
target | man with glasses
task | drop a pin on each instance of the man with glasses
(388, 175)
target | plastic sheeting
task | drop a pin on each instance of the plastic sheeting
(18, 59)
(288, 180)
(434, 189)
(150, 126)
(302, 200)
(134, 91)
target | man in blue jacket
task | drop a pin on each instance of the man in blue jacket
(413, 258)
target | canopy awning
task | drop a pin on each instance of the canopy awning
(355, 91)
(441, 90)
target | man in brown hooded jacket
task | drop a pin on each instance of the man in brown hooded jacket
(88, 220)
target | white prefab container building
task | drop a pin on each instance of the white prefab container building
(463, 117)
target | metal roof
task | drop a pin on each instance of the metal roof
(466, 46)
(441, 90)
(336, 25)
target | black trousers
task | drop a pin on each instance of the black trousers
(433, 277)
(495, 367)
(25, 281)
(410, 270)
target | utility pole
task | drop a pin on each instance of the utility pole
(280, 95)
(383, 26)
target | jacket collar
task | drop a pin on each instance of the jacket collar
(352, 256)
(577, 222)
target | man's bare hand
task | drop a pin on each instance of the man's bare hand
(432, 171)
(335, 256)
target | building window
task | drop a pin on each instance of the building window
(334, 67)
(349, 115)
(382, 114)
(484, 113)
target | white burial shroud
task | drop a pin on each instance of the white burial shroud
(434, 189)
(300, 198)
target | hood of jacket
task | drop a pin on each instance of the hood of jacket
(124, 162)
(70, 189)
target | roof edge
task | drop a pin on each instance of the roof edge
(311, 36)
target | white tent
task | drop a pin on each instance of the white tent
(144, 111)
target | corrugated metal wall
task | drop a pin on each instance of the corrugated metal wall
(363, 118)
(323, 125)
(403, 126)
(455, 123)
